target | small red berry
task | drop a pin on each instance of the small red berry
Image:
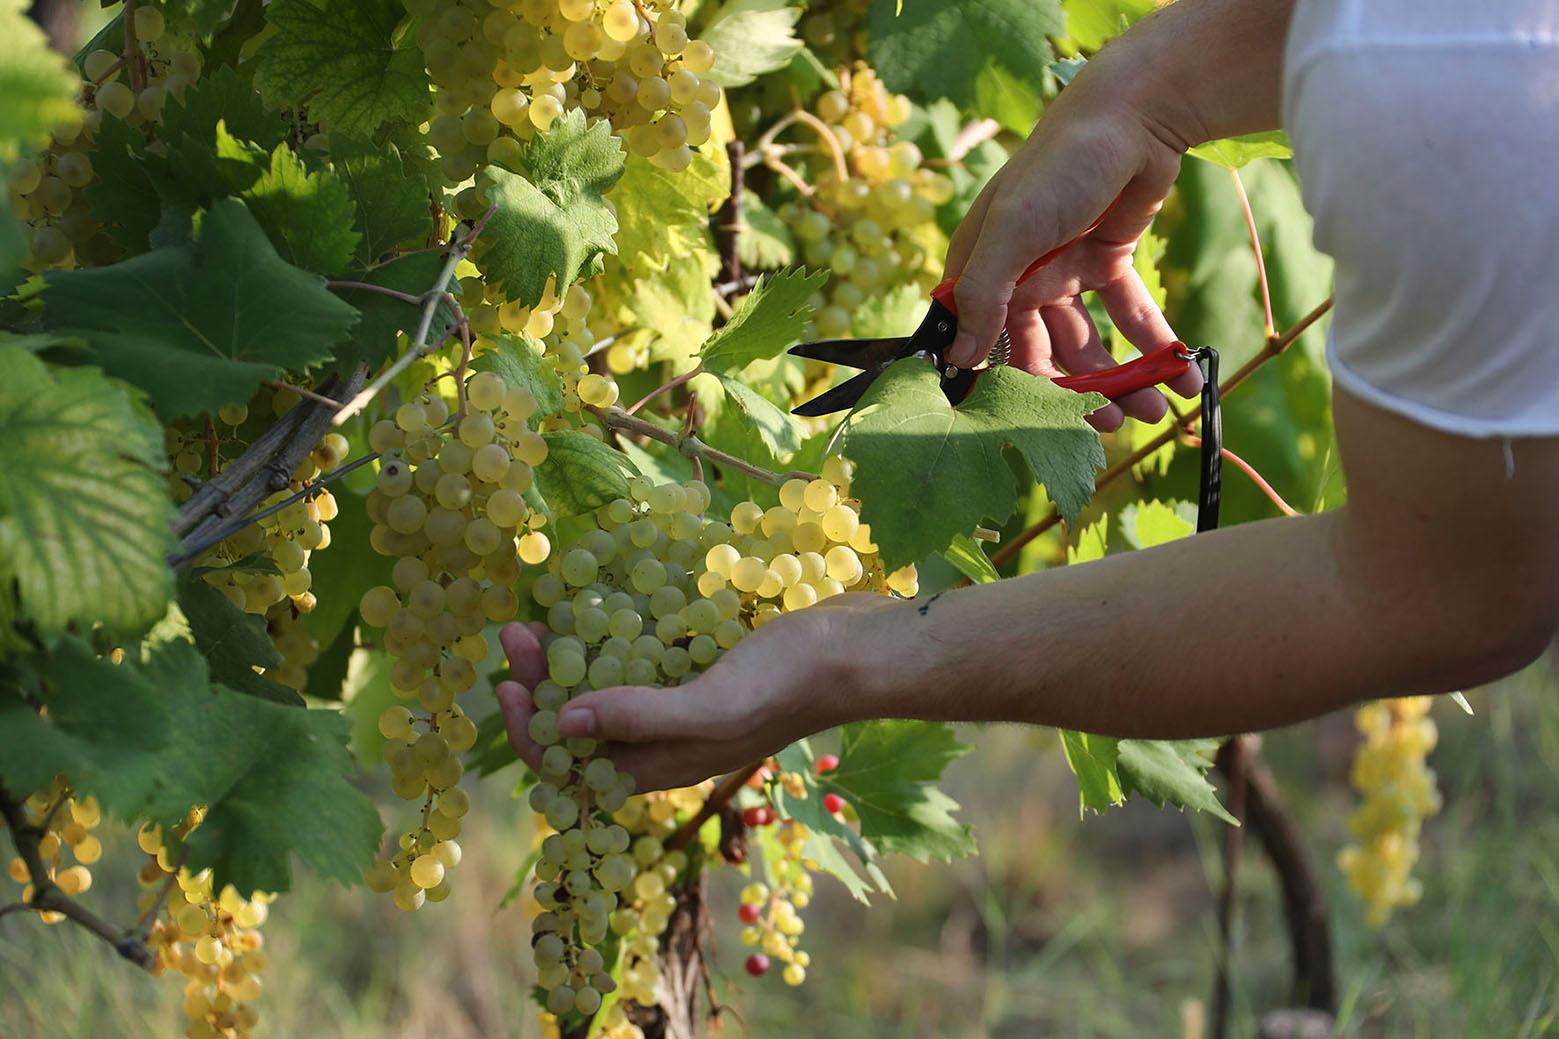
(769, 815)
(750, 914)
(752, 817)
(833, 803)
(827, 763)
(757, 965)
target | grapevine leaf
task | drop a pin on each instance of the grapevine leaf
(1170, 772)
(896, 312)
(367, 692)
(1093, 23)
(1149, 523)
(127, 193)
(233, 642)
(1233, 152)
(103, 728)
(222, 96)
(765, 242)
(886, 771)
(341, 60)
(84, 513)
(206, 15)
(935, 50)
(13, 250)
(274, 779)
(1093, 761)
(678, 307)
(768, 319)
(581, 473)
(1092, 543)
(797, 759)
(392, 201)
(518, 360)
(750, 38)
(927, 471)
(38, 85)
(552, 219)
(662, 216)
(308, 216)
(762, 422)
(969, 558)
(381, 318)
(200, 326)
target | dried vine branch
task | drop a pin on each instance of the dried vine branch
(721, 795)
(1271, 348)
(48, 898)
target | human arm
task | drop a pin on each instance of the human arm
(1435, 576)
(1111, 141)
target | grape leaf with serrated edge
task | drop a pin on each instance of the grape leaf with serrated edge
(769, 319)
(934, 50)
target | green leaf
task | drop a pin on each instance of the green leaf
(1092, 543)
(897, 312)
(937, 49)
(751, 38)
(926, 472)
(552, 219)
(206, 15)
(887, 771)
(767, 321)
(366, 693)
(663, 217)
(826, 827)
(520, 362)
(765, 242)
(373, 340)
(581, 473)
(39, 85)
(1093, 23)
(1149, 523)
(84, 511)
(764, 422)
(126, 192)
(233, 642)
(103, 729)
(341, 60)
(200, 326)
(392, 202)
(1233, 152)
(222, 95)
(678, 307)
(968, 556)
(1170, 772)
(1092, 760)
(307, 216)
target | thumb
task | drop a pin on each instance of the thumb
(631, 714)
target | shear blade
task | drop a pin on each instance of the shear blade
(855, 353)
(841, 398)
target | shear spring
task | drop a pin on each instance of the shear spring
(1001, 353)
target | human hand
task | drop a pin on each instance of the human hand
(787, 680)
(1090, 150)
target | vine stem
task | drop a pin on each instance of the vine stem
(690, 446)
(48, 898)
(666, 387)
(1273, 346)
(459, 249)
(971, 137)
(726, 789)
(1261, 264)
(132, 54)
(1249, 470)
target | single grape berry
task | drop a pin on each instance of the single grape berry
(757, 965)
(827, 763)
(752, 817)
(833, 803)
(748, 913)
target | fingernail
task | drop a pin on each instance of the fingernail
(963, 350)
(577, 721)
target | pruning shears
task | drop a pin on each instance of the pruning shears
(936, 333)
(939, 328)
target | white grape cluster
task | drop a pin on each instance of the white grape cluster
(874, 230)
(507, 71)
(836, 30)
(1399, 790)
(449, 505)
(70, 821)
(652, 595)
(771, 917)
(211, 938)
(46, 191)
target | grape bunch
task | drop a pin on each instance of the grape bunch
(653, 594)
(70, 821)
(449, 505)
(211, 938)
(47, 191)
(875, 228)
(836, 29)
(1390, 770)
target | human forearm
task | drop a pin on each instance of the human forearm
(1198, 69)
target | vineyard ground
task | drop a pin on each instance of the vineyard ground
(1057, 929)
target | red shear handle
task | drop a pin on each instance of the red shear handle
(943, 293)
(1163, 364)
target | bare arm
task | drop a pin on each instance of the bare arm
(1438, 574)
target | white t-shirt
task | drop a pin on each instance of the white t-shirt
(1426, 138)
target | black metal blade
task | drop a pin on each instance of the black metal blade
(841, 398)
(855, 353)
